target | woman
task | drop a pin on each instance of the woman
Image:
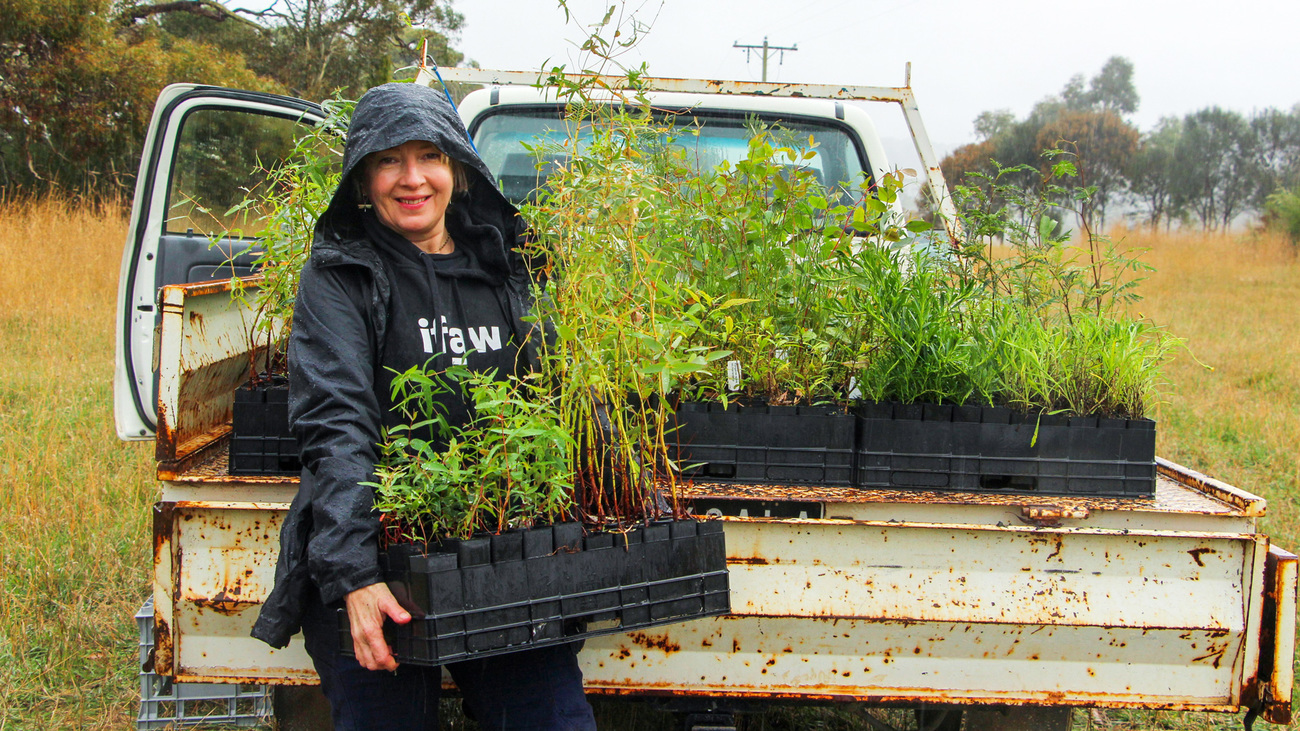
(415, 258)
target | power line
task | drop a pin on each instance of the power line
(766, 51)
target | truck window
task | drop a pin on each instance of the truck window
(709, 138)
(222, 155)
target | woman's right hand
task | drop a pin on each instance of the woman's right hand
(367, 608)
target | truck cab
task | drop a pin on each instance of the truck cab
(919, 598)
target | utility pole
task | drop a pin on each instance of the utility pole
(766, 51)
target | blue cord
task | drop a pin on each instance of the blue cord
(447, 91)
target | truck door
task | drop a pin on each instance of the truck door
(207, 149)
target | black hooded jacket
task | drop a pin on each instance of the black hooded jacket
(341, 330)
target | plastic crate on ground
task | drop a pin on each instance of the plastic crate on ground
(168, 705)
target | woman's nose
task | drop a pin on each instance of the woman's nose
(410, 172)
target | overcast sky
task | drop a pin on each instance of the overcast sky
(967, 56)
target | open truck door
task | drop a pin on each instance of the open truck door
(206, 148)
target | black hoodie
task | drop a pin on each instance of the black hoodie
(349, 326)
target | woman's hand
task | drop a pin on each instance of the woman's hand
(367, 608)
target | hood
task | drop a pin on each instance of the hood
(396, 113)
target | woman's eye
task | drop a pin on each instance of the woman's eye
(433, 156)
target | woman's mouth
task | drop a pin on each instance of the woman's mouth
(413, 202)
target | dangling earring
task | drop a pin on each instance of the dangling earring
(364, 206)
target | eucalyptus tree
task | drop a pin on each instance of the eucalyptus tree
(317, 47)
(1153, 170)
(1216, 172)
(1276, 147)
(78, 82)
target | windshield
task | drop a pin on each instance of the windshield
(504, 138)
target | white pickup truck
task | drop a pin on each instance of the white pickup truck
(1011, 609)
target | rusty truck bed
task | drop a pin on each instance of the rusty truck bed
(897, 596)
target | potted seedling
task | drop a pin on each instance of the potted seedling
(767, 232)
(782, 308)
(552, 515)
(481, 541)
(1011, 371)
(295, 194)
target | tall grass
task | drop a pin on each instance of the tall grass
(74, 501)
(1234, 408)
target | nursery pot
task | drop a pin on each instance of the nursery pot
(260, 440)
(997, 450)
(491, 595)
(772, 444)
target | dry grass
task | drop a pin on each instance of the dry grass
(74, 502)
(1236, 301)
(1233, 406)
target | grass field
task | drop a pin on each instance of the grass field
(74, 501)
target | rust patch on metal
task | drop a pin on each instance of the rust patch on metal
(298, 678)
(1196, 554)
(1050, 516)
(164, 516)
(211, 287)
(1272, 677)
(162, 646)
(749, 560)
(1173, 494)
(1250, 505)
(840, 694)
(655, 642)
(225, 603)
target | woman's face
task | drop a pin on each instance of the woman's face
(409, 186)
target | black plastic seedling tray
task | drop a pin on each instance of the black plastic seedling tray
(996, 450)
(260, 440)
(774, 444)
(531, 588)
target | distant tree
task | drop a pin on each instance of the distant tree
(1216, 174)
(1153, 169)
(1084, 116)
(959, 164)
(989, 125)
(1112, 88)
(316, 47)
(1074, 95)
(1282, 213)
(1103, 144)
(78, 90)
(1276, 145)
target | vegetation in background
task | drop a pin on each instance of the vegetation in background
(67, 639)
(79, 77)
(1208, 167)
(74, 518)
(79, 89)
(318, 49)
(1282, 212)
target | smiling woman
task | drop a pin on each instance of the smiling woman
(410, 186)
(403, 273)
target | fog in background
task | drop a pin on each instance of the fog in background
(967, 57)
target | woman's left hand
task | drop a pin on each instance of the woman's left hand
(367, 608)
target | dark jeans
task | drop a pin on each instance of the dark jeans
(532, 690)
